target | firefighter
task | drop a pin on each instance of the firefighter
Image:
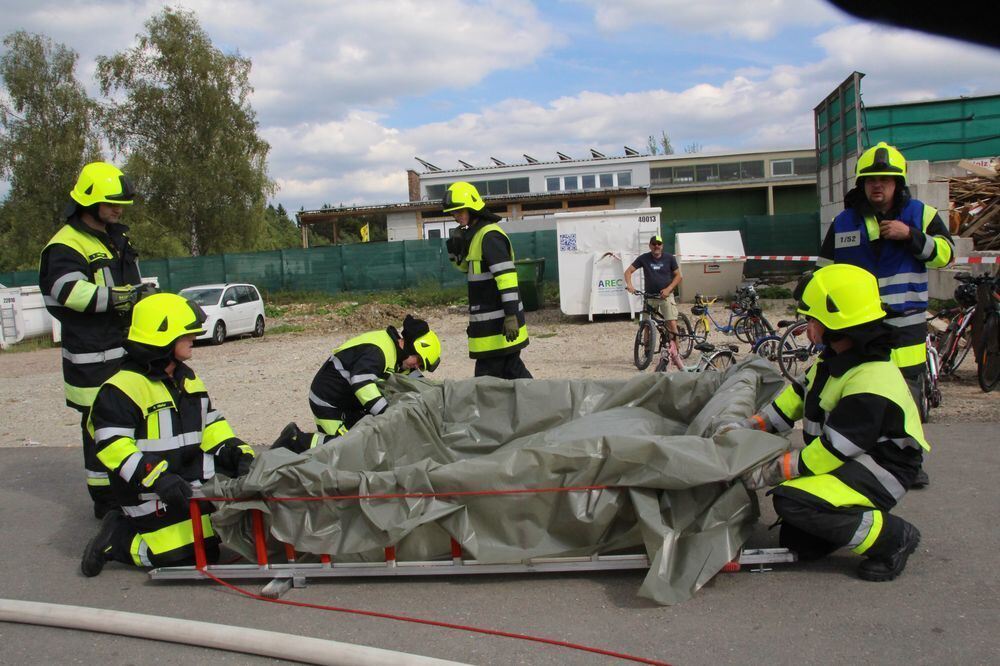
(897, 238)
(345, 388)
(89, 275)
(160, 438)
(864, 441)
(480, 248)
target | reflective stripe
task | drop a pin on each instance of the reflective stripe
(127, 470)
(488, 316)
(841, 443)
(97, 479)
(93, 357)
(904, 297)
(140, 510)
(207, 466)
(907, 320)
(316, 400)
(378, 407)
(479, 277)
(361, 379)
(169, 443)
(812, 428)
(502, 266)
(902, 278)
(78, 395)
(830, 489)
(508, 297)
(884, 476)
(494, 342)
(823, 261)
(775, 419)
(140, 552)
(329, 426)
(103, 300)
(902, 442)
(927, 251)
(873, 533)
(148, 480)
(107, 433)
(339, 367)
(61, 282)
(113, 454)
(819, 459)
(81, 295)
(105, 278)
(175, 536)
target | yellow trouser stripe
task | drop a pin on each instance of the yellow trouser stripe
(494, 342)
(911, 355)
(169, 538)
(818, 458)
(830, 489)
(873, 533)
(98, 481)
(329, 426)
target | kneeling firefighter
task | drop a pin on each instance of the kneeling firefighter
(345, 388)
(160, 438)
(864, 441)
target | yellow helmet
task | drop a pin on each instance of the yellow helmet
(462, 195)
(428, 348)
(100, 182)
(159, 320)
(840, 296)
(881, 160)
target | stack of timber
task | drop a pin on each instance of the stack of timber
(975, 211)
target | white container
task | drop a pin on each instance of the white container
(707, 263)
(595, 248)
(23, 315)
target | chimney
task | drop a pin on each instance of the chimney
(413, 182)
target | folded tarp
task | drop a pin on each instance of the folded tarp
(673, 488)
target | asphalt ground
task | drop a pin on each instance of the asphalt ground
(942, 610)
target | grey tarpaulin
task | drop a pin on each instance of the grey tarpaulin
(649, 437)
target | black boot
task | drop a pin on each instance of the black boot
(98, 550)
(292, 438)
(878, 569)
(921, 480)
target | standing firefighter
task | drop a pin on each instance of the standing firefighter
(160, 438)
(89, 275)
(480, 248)
(345, 388)
(864, 441)
(896, 238)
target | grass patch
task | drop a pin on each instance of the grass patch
(937, 304)
(32, 344)
(273, 311)
(774, 291)
(285, 328)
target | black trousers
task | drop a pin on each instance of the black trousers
(814, 529)
(508, 366)
(101, 495)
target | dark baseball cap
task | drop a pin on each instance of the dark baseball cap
(656, 240)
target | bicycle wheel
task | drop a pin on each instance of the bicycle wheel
(767, 347)
(756, 329)
(700, 330)
(741, 329)
(721, 360)
(923, 404)
(796, 350)
(989, 361)
(685, 338)
(645, 344)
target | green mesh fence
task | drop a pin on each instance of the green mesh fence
(393, 266)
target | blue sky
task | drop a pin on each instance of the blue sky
(347, 93)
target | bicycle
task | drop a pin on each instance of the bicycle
(653, 336)
(711, 358)
(930, 389)
(986, 328)
(704, 321)
(799, 349)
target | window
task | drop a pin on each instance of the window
(588, 203)
(661, 175)
(518, 186)
(589, 182)
(230, 296)
(684, 174)
(433, 233)
(805, 166)
(704, 173)
(245, 296)
(624, 178)
(552, 184)
(435, 191)
(729, 171)
(781, 167)
(753, 169)
(607, 179)
(571, 182)
(495, 187)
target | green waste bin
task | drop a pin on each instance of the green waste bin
(529, 280)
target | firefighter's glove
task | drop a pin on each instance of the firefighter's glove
(236, 457)
(147, 289)
(772, 472)
(755, 422)
(123, 298)
(511, 329)
(456, 246)
(174, 491)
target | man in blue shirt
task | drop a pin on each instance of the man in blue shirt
(661, 275)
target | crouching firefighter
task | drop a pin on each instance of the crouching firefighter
(864, 441)
(160, 439)
(345, 388)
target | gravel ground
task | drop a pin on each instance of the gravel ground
(261, 384)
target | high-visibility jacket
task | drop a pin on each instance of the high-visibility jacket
(78, 267)
(864, 441)
(349, 378)
(493, 292)
(900, 266)
(146, 426)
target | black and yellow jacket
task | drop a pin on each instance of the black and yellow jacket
(78, 267)
(349, 378)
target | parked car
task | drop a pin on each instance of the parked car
(232, 309)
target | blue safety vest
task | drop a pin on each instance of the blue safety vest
(902, 277)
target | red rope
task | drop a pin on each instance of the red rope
(435, 623)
